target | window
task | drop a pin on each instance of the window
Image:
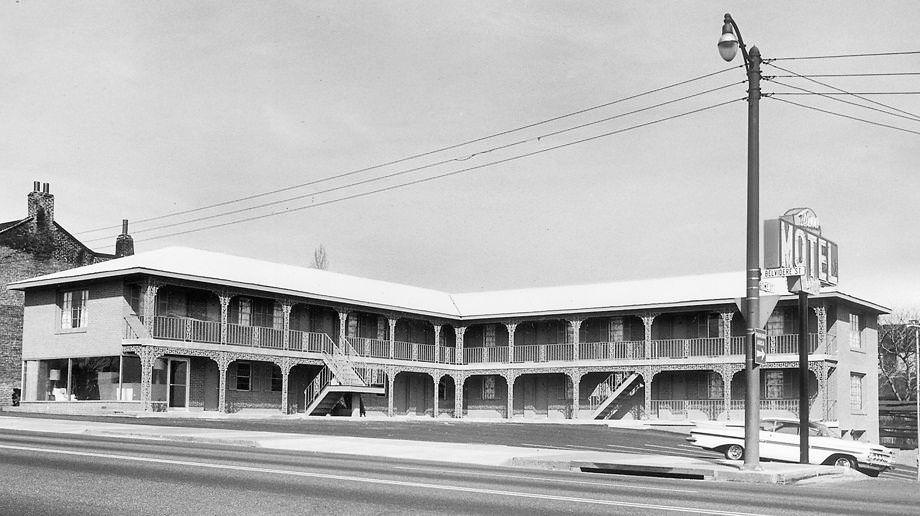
(855, 334)
(276, 378)
(73, 309)
(715, 386)
(243, 376)
(263, 313)
(488, 388)
(773, 385)
(133, 295)
(856, 393)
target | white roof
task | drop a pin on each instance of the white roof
(240, 272)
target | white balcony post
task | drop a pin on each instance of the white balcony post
(511, 327)
(726, 320)
(224, 299)
(575, 378)
(647, 320)
(286, 307)
(391, 386)
(223, 363)
(509, 381)
(821, 313)
(458, 391)
(434, 413)
(437, 347)
(343, 326)
(285, 365)
(458, 332)
(150, 305)
(392, 322)
(576, 338)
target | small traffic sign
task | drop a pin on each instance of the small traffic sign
(760, 346)
(780, 272)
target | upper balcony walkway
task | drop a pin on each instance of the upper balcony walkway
(267, 338)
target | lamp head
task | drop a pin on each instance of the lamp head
(728, 43)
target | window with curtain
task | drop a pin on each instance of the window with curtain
(73, 309)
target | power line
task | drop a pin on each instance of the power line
(430, 165)
(838, 56)
(447, 174)
(881, 74)
(854, 93)
(804, 91)
(845, 116)
(422, 154)
(844, 91)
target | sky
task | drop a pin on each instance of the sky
(138, 110)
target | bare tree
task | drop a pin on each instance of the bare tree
(897, 371)
(320, 259)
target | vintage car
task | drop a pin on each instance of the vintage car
(779, 441)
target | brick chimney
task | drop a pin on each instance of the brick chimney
(41, 204)
(124, 244)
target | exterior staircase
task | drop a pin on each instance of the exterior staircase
(602, 398)
(345, 372)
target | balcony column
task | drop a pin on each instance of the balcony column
(647, 320)
(343, 326)
(286, 307)
(459, 379)
(509, 381)
(224, 299)
(223, 363)
(285, 365)
(392, 321)
(726, 321)
(511, 327)
(434, 413)
(821, 313)
(647, 374)
(575, 378)
(458, 333)
(727, 374)
(148, 357)
(391, 386)
(150, 305)
(576, 338)
(437, 347)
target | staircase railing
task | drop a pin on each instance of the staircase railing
(606, 388)
(320, 381)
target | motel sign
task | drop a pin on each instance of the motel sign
(794, 242)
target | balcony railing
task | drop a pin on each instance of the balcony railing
(543, 352)
(621, 350)
(485, 355)
(688, 409)
(195, 330)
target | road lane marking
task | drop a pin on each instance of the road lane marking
(503, 475)
(381, 481)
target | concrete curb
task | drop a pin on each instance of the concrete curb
(249, 443)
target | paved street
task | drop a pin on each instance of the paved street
(80, 474)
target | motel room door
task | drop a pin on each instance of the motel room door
(177, 380)
(211, 385)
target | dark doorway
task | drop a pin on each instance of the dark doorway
(211, 385)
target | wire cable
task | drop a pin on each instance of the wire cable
(430, 165)
(448, 174)
(839, 56)
(881, 74)
(845, 116)
(844, 91)
(854, 93)
(804, 91)
(421, 154)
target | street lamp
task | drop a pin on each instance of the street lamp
(728, 44)
(915, 324)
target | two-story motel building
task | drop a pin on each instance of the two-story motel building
(179, 329)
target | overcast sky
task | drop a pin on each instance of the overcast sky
(135, 110)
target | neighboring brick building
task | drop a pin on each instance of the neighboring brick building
(29, 247)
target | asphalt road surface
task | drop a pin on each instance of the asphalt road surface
(66, 474)
(535, 435)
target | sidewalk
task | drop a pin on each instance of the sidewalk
(458, 453)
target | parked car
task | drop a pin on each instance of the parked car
(779, 441)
